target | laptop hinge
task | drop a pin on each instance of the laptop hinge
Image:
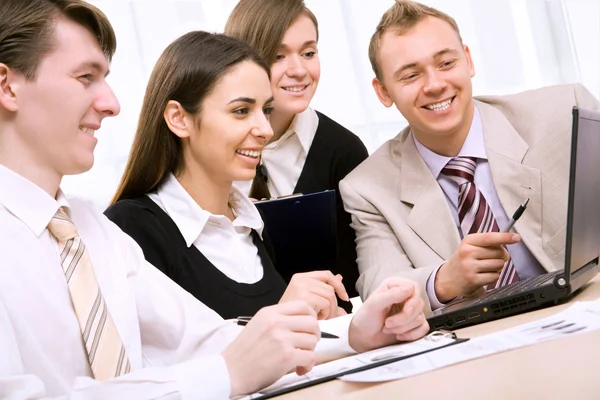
(562, 281)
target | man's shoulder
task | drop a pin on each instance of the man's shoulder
(536, 101)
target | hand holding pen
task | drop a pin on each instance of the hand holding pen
(477, 262)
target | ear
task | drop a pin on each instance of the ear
(178, 120)
(8, 98)
(382, 93)
(469, 61)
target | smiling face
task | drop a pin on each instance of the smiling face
(233, 125)
(426, 72)
(59, 111)
(296, 70)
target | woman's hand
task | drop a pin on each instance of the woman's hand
(319, 289)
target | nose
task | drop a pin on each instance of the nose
(434, 83)
(263, 130)
(296, 68)
(106, 102)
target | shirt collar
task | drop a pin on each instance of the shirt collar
(191, 219)
(28, 202)
(474, 146)
(304, 126)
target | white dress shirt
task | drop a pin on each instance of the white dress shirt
(226, 244)
(284, 158)
(526, 264)
(173, 341)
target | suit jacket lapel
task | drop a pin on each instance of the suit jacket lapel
(430, 217)
(514, 181)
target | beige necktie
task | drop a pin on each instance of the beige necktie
(105, 349)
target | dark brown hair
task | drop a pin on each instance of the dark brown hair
(399, 18)
(263, 23)
(186, 72)
(27, 26)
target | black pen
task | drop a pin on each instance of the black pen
(245, 320)
(516, 216)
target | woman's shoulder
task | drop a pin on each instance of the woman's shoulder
(138, 213)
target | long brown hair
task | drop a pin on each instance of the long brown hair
(27, 26)
(186, 72)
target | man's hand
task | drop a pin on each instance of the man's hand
(277, 340)
(319, 289)
(477, 262)
(394, 312)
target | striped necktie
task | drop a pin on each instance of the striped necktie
(474, 213)
(105, 349)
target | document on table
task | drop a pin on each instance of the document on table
(331, 370)
(579, 318)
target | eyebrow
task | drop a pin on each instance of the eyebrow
(96, 66)
(435, 56)
(249, 100)
(305, 44)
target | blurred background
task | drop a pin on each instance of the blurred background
(516, 45)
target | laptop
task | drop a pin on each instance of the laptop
(302, 230)
(582, 243)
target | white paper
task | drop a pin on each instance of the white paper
(579, 318)
(358, 360)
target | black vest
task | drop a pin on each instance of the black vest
(190, 269)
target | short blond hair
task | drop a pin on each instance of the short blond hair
(399, 18)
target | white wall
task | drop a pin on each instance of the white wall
(516, 45)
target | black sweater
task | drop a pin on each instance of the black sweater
(333, 154)
(165, 248)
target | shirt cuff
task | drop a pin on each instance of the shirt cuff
(206, 377)
(332, 349)
(430, 288)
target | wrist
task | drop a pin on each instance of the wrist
(444, 288)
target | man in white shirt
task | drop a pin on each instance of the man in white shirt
(82, 315)
(430, 205)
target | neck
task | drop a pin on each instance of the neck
(452, 142)
(209, 194)
(20, 160)
(280, 122)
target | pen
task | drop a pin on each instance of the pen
(245, 320)
(516, 216)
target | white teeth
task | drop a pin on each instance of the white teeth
(440, 106)
(294, 88)
(249, 153)
(87, 130)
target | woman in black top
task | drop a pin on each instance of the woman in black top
(203, 123)
(308, 152)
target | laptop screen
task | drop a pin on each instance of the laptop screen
(583, 221)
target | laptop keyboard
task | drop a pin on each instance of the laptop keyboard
(517, 287)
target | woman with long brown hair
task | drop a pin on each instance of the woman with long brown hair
(308, 152)
(203, 124)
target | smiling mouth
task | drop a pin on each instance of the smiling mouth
(249, 153)
(441, 106)
(89, 131)
(294, 89)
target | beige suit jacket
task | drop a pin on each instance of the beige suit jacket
(404, 226)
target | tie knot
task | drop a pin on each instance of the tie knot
(461, 169)
(62, 227)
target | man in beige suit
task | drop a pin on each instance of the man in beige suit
(405, 207)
